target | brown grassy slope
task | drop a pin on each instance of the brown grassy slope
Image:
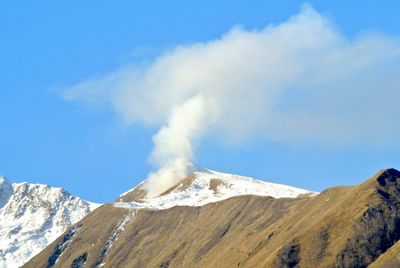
(341, 227)
(181, 236)
(389, 259)
(91, 233)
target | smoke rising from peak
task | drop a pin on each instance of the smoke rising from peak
(186, 124)
(173, 145)
(298, 81)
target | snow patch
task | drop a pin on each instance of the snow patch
(114, 236)
(211, 186)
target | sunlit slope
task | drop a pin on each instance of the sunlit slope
(340, 227)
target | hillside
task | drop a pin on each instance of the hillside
(340, 227)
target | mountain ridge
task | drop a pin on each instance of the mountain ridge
(344, 226)
(205, 186)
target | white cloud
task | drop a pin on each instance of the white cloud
(298, 81)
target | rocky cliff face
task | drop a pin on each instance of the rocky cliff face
(32, 216)
(340, 227)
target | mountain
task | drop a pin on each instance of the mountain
(32, 216)
(352, 226)
(205, 186)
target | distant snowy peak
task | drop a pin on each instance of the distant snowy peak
(32, 216)
(207, 186)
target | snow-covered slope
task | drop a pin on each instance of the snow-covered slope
(206, 186)
(32, 216)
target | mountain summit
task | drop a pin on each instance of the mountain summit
(205, 186)
(32, 216)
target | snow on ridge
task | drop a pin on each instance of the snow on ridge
(120, 227)
(200, 192)
(32, 216)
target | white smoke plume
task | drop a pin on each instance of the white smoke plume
(173, 145)
(298, 81)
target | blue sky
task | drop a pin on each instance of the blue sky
(47, 46)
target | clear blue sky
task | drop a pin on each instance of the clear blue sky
(48, 45)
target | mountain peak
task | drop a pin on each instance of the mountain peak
(32, 216)
(386, 176)
(392, 172)
(205, 186)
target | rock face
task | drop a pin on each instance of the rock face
(340, 227)
(32, 216)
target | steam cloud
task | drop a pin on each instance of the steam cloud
(298, 81)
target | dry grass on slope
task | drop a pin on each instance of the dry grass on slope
(341, 227)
